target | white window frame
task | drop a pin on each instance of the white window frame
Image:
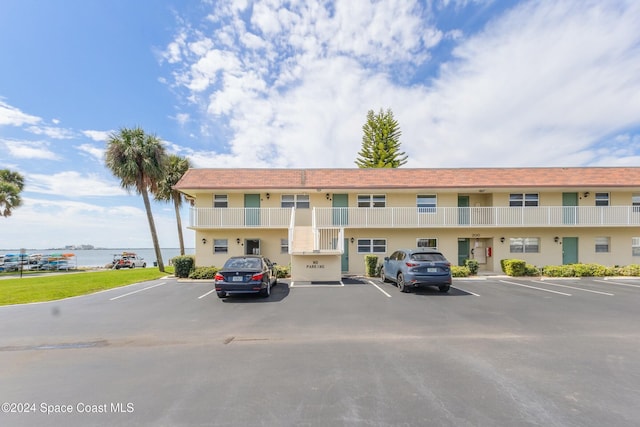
(220, 246)
(635, 246)
(427, 203)
(527, 245)
(602, 244)
(526, 200)
(299, 201)
(220, 201)
(372, 200)
(602, 199)
(372, 245)
(635, 202)
(423, 242)
(284, 246)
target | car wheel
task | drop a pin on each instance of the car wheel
(117, 267)
(132, 265)
(144, 265)
(383, 277)
(264, 293)
(402, 287)
(444, 288)
(221, 294)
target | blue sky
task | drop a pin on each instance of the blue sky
(274, 83)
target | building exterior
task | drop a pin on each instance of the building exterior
(323, 222)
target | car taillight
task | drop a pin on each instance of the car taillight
(219, 277)
(412, 264)
(257, 277)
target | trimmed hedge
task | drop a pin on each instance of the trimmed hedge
(460, 271)
(282, 271)
(472, 265)
(371, 265)
(516, 267)
(183, 265)
(203, 273)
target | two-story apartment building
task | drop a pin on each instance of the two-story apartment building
(324, 221)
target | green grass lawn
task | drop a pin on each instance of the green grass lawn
(38, 288)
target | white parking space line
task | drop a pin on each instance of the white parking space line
(139, 290)
(533, 287)
(579, 289)
(611, 282)
(208, 293)
(466, 292)
(379, 288)
(317, 285)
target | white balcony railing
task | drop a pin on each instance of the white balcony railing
(412, 217)
(240, 217)
(543, 216)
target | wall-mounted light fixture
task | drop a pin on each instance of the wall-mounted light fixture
(238, 240)
(502, 240)
(352, 240)
(328, 196)
(556, 239)
(268, 196)
(586, 194)
(204, 241)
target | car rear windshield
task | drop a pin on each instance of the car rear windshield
(428, 257)
(243, 263)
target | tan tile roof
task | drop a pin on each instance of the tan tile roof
(310, 179)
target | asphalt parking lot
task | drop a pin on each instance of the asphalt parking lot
(493, 352)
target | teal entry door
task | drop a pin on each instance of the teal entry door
(463, 250)
(340, 205)
(463, 210)
(569, 210)
(252, 209)
(344, 260)
(569, 250)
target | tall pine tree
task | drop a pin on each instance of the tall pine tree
(381, 142)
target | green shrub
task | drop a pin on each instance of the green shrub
(183, 264)
(282, 271)
(629, 270)
(472, 265)
(371, 264)
(531, 270)
(203, 273)
(514, 267)
(460, 271)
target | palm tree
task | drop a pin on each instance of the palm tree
(176, 166)
(138, 159)
(11, 185)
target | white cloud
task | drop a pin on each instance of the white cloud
(52, 132)
(28, 149)
(97, 135)
(293, 82)
(96, 152)
(72, 184)
(13, 116)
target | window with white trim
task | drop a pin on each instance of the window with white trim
(220, 201)
(220, 246)
(284, 246)
(426, 203)
(635, 246)
(635, 202)
(523, 199)
(527, 245)
(602, 199)
(602, 244)
(300, 201)
(427, 242)
(372, 246)
(372, 200)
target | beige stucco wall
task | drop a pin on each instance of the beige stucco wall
(308, 268)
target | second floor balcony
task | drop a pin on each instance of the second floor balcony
(413, 217)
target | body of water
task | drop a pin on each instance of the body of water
(101, 257)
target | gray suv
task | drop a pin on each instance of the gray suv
(413, 268)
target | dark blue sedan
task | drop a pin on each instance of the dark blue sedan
(245, 275)
(413, 268)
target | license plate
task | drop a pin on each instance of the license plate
(236, 279)
(432, 270)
